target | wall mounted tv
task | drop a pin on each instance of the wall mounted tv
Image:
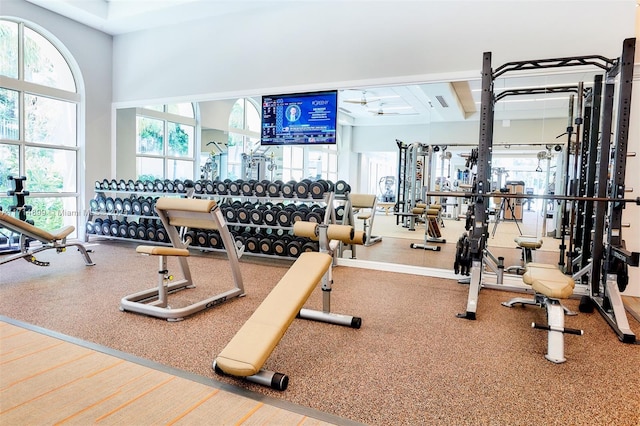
(300, 118)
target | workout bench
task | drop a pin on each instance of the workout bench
(365, 206)
(176, 213)
(432, 232)
(50, 240)
(549, 285)
(249, 349)
(527, 244)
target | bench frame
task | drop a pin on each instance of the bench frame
(279, 381)
(56, 240)
(555, 322)
(176, 213)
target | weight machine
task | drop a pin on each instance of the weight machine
(606, 271)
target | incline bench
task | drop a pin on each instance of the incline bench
(50, 240)
(365, 205)
(176, 213)
(249, 349)
(549, 285)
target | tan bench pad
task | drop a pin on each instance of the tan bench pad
(248, 350)
(162, 251)
(527, 241)
(21, 226)
(548, 280)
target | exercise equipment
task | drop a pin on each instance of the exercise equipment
(432, 232)
(56, 239)
(527, 244)
(550, 285)
(602, 247)
(176, 213)
(246, 353)
(364, 205)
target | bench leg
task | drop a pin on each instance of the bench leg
(277, 381)
(555, 337)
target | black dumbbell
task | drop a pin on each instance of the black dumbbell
(294, 248)
(202, 239)
(317, 189)
(214, 239)
(132, 230)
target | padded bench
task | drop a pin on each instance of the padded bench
(548, 280)
(56, 239)
(248, 350)
(549, 284)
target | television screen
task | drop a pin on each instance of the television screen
(300, 119)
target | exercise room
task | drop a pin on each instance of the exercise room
(327, 213)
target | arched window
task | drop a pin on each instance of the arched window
(165, 142)
(39, 104)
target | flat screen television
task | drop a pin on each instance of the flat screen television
(300, 119)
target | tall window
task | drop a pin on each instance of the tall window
(244, 136)
(39, 104)
(165, 146)
(317, 162)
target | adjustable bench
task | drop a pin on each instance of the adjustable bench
(248, 350)
(527, 244)
(549, 285)
(176, 213)
(50, 240)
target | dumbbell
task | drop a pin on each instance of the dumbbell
(161, 235)
(298, 215)
(294, 248)
(234, 187)
(98, 185)
(209, 187)
(105, 184)
(122, 185)
(89, 226)
(169, 186)
(132, 230)
(131, 185)
(202, 239)
(221, 187)
(109, 205)
(141, 231)
(310, 246)
(266, 245)
(273, 188)
(313, 216)
(270, 217)
(342, 187)
(122, 229)
(283, 217)
(317, 189)
(113, 185)
(97, 226)
(252, 244)
(106, 227)
(302, 188)
(289, 189)
(136, 207)
(260, 188)
(246, 188)
(256, 216)
(198, 187)
(146, 207)
(140, 186)
(179, 186)
(149, 186)
(158, 185)
(279, 247)
(93, 205)
(214, 239)
(113, 228)
(118, 205)
(340, 213)
(229, 214)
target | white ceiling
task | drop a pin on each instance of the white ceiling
(397, 105)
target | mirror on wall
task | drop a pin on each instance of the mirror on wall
(442, 116)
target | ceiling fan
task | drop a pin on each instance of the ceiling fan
(382, 111)
(363, 101)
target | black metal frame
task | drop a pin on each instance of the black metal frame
(599, 110)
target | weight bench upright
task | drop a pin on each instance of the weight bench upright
(549, 285)
(527, 244)
(50, 240)
(249, 349)
(176, 213)
(365, 205)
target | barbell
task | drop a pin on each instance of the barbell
(532, 196)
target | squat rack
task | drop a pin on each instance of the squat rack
(609, 260)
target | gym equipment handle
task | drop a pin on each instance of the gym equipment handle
(560, 329)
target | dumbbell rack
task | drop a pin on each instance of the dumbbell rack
(138, 203)
(264, 225)
(12, 244)
(259, 215)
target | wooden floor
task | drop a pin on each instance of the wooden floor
(632, 305)
(48, 380)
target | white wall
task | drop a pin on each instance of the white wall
(92, 50)
(309, 45)
(382, 138)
